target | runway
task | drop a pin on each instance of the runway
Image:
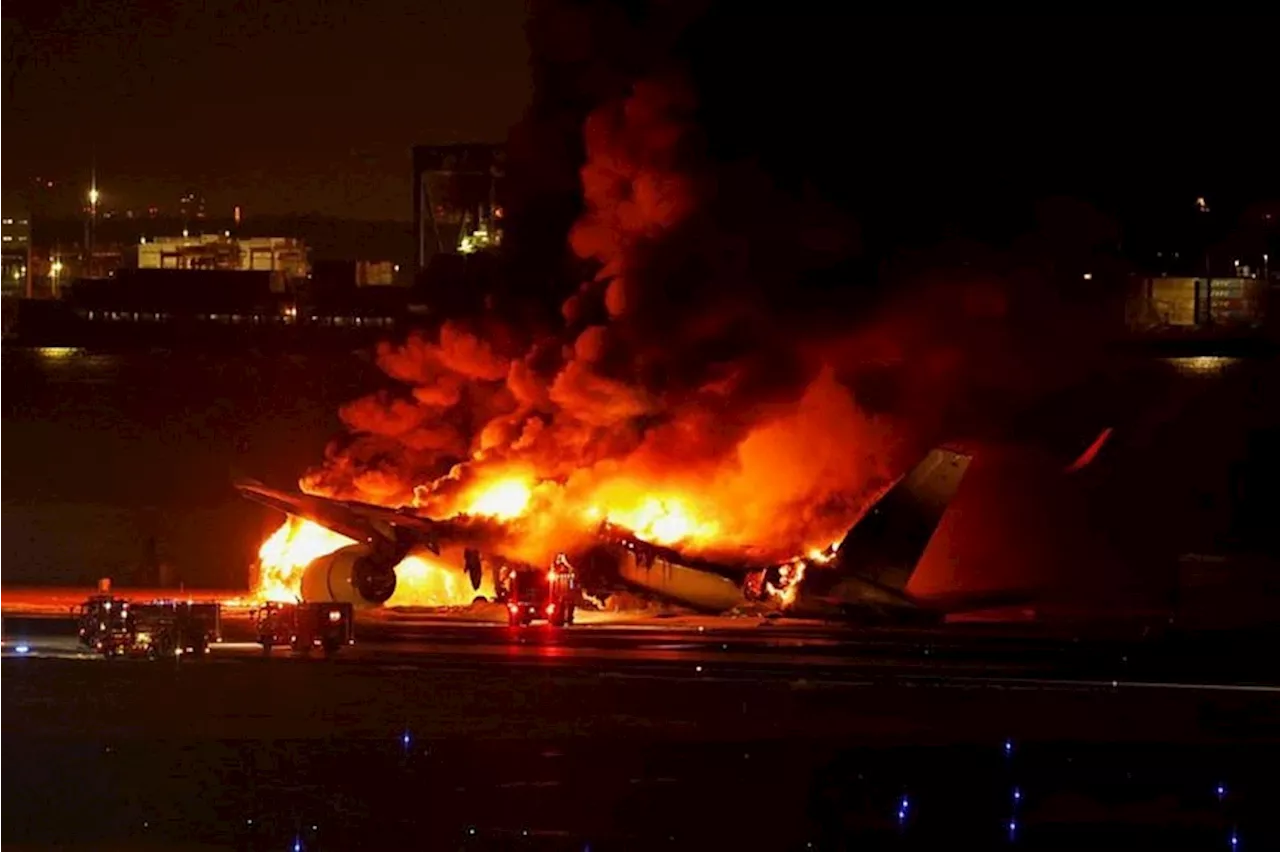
(443, 731)
(728, 648)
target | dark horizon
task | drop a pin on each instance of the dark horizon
(284, 109)
(277, 107)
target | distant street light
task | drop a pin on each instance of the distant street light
(94, 195)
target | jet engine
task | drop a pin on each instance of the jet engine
(351, 574)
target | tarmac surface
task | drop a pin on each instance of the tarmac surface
(442, 731)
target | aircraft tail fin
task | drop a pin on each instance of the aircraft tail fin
(887, 542)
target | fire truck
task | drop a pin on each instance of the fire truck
(116, 627)
(173, 628)
(531, 594)
(102, 624)
(306, 626)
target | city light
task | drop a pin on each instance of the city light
(94, 195)
(55, 268)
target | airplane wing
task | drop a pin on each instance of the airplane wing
(359, 521)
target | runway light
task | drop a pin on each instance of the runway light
(1221, 790)
(22, 649)
(1017, 794)
(1235, 840)
(697, 668)
(405, 739)
(1013, 829)
(1008, 747)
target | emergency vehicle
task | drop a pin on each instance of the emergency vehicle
(305, 626)
(532, 594)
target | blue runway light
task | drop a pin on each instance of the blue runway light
(22, 649)
(1008, 747)
(1017, 794)
(1235, 840)
(1013, 829)
(1221, 790)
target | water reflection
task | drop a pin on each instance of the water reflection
(58, 353)
(1202, 365)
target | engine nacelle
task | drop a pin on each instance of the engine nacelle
(349, 575)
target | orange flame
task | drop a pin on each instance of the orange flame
(286, 554)
(421, 579)
(667, 521)
(503, 499)
(792, 573)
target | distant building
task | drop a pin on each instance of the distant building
(1197, 303)
(15, 252)
(191, 206)
(375, 273)
(284, 257)
(457, 199)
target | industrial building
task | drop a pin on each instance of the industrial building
(457, 199)
(284, 257)
(1189, 304)
(15, 240)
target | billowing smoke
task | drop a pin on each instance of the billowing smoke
(722, 381)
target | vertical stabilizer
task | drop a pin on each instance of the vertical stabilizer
(886, 543)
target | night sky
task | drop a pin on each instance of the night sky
(291, 106)
(299, 106)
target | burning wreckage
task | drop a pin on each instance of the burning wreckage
(699, 423)
(354, 552)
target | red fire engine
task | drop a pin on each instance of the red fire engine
(532, 594)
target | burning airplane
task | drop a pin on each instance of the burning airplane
(862, 576)
(703, 425)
